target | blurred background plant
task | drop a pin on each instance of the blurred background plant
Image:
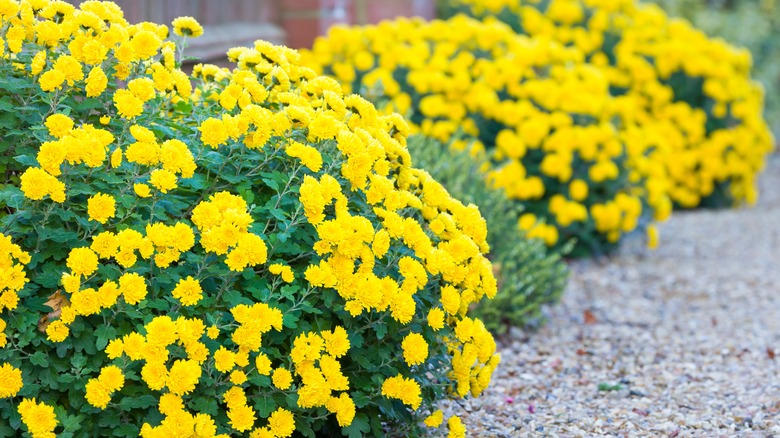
(667, 77)
(529, 274)
(753, 24)
(539, 112)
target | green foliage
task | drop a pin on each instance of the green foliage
(529, 274)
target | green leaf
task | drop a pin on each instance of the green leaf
(265, 406)
(109, 418)
(205, 405)
(304, 428)
(234, 298)
(358, 428)
(142, 402)
(126, 429)
(36, 304)
(40, 358)
(71, 423)
(360, 399)
(104, 333)
(381, 329)
(88, 104)
(6, 104)
(26, 160)
(290, 321)
(78, 361)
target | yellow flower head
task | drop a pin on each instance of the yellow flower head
(187, 27)
(415, 349)
(10, 380)
(101, 207)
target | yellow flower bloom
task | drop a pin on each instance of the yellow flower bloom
(652, 236)
(38, 417)
(263, 364)
(56, 331)
(336, 341)
(10, 380)
(415, 349)
(187, 27)
(308, 155)
(213, 132)
(82, 261)
(97, 394)
(142, 190)
(281, 378)
(163, 180)
(406, 390)
(224, 360)
(343, 407)
(170, 403)
(97, 81)
(116, 158)
(242, 418)
(59, 125)
(101, 207)
(127, 104)
(183, 377)
(282, 423)
(188, 291)
(456, 428)
(436, 318)
(435, 419)
(238, 377)
(283, 270)
(133, 288)
(155, 375)
(51, 80)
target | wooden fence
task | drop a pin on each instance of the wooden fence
(296, 23)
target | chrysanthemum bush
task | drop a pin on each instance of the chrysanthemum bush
(687, 99)
(252, 255)
(529, 274)
(542, 115)
(729, 20)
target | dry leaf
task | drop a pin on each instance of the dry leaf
(56, 301)
(589, 317)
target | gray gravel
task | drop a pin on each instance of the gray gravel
(680, 341)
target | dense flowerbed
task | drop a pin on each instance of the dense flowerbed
(695, 92)
(540, 112)
(730, 20)
(530, 275)
(244, 251)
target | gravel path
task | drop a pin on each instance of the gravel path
(676, 342)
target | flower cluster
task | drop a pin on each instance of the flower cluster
(541, 114)
(235, 252)
(685, 99)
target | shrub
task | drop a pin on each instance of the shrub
(249, 255)
(729, 20)
(529, 274)
(686, 98)
(541, 114)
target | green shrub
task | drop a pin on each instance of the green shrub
(753, 24)
(685, 100)
(542, 115)
(243, 252)
(529, 274)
